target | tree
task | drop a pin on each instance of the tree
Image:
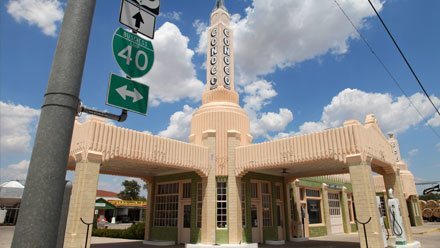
(131, 191)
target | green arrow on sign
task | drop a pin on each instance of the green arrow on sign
(133, 54)
(127, 94)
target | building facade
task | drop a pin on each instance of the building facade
(112, 209)
(221, 189)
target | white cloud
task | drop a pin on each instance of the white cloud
(174, 15)
(173, 76)
(271, 122)
(435, 121)
(413, 152)
(286, 32)
(394, 114)
(202, 31)
(14, 171)
(43, 13)
(256, 95)
(84, 117)
(180, 124)
(17, 124)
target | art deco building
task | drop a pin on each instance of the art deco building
(222, 189)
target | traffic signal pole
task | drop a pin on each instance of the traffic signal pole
(40, 209)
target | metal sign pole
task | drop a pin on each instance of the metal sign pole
(40, 210)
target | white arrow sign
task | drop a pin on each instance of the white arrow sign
(137, 18)
(134, 94)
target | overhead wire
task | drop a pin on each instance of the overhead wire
(385, 67)
(404, 57)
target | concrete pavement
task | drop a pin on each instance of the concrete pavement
(428, 235)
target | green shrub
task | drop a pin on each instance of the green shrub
(432, 196)
(136, 231)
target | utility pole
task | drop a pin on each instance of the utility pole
(42, 201)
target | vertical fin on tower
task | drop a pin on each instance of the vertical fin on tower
(220, 4)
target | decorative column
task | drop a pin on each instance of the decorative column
(365, 200)
(346, 211)
(209, 191)
(82, 201)
(149, 181)
(325, 205)
(234, 191)
(297, 222)
(393, 181)
(288, 207)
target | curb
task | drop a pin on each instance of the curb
(427, 231)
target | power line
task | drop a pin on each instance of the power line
(385, 67)
(403, 56)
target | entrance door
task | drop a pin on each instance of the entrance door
(185, 230)
(255, 222)
(335, 213)
(280, 221)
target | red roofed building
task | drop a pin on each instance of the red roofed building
(109, 205)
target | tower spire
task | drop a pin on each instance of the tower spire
(220, 4)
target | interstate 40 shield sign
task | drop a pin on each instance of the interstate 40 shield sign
(133, 54)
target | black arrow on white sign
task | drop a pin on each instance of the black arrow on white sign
(138, 18)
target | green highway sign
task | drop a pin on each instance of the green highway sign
(133, 54)
(127, 94)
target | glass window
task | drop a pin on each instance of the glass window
(199, 204)
(267, 203)
(314, 211)
(312, 193)
(383, 211)
(243, 204)
(187, 216)
(166, 205)
(221, 205)
(186, 190)
(278, 192)
(254, 190)
(254, 216)
(279, 223)
(301, 194)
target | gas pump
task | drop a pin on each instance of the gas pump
(396, 223)
(382, 222)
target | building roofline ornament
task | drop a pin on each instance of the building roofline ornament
(219, 4)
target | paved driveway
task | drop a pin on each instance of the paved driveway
(428, 235)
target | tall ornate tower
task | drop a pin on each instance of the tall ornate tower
(220, 110)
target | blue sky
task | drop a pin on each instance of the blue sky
(300, 68)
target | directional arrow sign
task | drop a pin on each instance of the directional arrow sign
(134, 55)
(151, 5)
(127, 94)
(133, 94)
(137, 18)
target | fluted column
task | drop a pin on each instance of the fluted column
(326, 207)
(149, 210)
(209, 191)
(82, 201)
(365, 200)
(234, 188)
(346, 212)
